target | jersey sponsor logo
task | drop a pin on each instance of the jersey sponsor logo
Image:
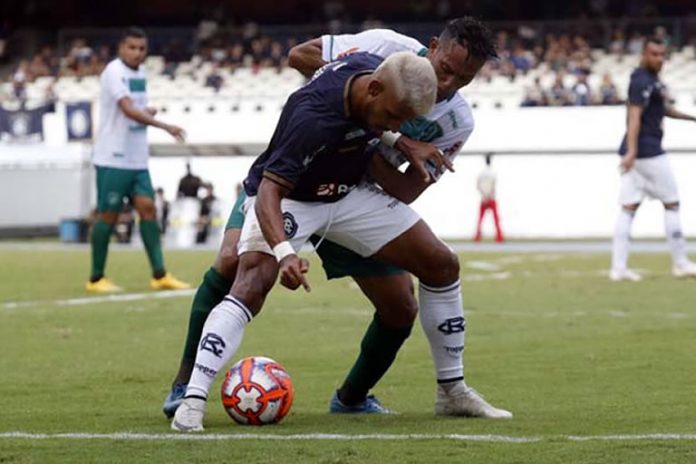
(214, 343)
(329, 190)
(289, 225)
(452, 325)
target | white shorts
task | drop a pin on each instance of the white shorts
(651, 177)
(364, 221)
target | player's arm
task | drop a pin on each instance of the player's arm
(404, 186)
(307, 57)
(633, 128)
(146, 117)
(672, 112)
(270, 216)
(418, 153)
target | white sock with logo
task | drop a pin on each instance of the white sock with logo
(675, 237)
(622, 239)
(222, 334)
(442, 319)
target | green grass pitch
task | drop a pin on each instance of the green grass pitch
(548, 337)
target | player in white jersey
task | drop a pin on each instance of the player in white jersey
(456, 60)
(121, 160)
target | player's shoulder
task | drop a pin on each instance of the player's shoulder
(114, 66)
(641, 74)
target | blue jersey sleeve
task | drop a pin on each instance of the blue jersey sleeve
(639, 90)
(302, 138)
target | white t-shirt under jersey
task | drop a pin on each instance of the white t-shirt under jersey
(121, 142)
(448, 125)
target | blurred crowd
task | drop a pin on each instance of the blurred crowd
(566, 56)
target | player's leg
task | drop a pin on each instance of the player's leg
(419, 251)
(479, 223)
(215, 285)
(390, 290)
(257, 271)
(372, 223)
(223, 332)
(112, 185)
(496, 222)
(144, 203)
(664, 188)
(631, 193)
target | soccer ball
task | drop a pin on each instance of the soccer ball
(257, 391)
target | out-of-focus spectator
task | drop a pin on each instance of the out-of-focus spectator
(617, 46)
(19, 80)
(162, 209)
(214, 79)
(189, 184)
(235, 56)
(608, 94)
(4, 39)
(581, 93)
(558, 93)
(635, 43)
(206, 217)
(521, 59)
(535, 95)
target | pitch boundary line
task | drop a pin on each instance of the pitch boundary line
(114, 298)
(130, 436)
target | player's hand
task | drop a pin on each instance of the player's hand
(292, 272)
(151, 111)
(177, 132)
(627, 162)
(419, 153)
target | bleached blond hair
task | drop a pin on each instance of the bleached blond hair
(411, 78)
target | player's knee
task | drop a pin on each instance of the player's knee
(108, 217)
(443, 268)
(631, 208)
(672, 206)
(226, 261)
(399, 313)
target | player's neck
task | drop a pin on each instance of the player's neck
(356, 97)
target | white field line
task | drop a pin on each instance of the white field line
(129, 436)
(89, 300)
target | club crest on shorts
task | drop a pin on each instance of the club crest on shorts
(289, 224)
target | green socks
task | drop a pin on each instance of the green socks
(101, 235)
(149, 231)
(377, 353)
(211, 292)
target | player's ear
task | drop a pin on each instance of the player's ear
(434, 42)
(375, 87)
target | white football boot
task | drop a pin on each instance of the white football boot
(617, 275)
(189, 415)
(686, 269)
(461, 400)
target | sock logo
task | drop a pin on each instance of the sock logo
(213, 343)
(454, 351)
(452, 325)
(206, 370)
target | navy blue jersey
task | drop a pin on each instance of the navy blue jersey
(318, 150)
(647, 91)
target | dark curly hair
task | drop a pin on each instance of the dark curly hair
(473, 35)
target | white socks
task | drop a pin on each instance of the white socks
(675, 238)
(222, 334)
(442, 319)
(622, 237)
